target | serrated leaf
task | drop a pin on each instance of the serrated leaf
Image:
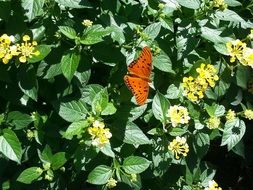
(10, 145)
(75, 128)
(107, 150)
(73, 111)
(153, 30)
(173, 92)
(160, 107)
(100, 101)
(77, 4)
(243, 74)
(33, 8)
(109, 109)
(191, 4)
(135, 164)
(134, 135)
(163, 62)
(69, 64)
(201, 144)
(89, 92)
(136, 112)
(29, 175)
(58, 160)
(44, 51)
(46, 155)
(233, 133)
(19, 120)
(100, 175)
(68, 32)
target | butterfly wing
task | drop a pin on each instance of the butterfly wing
(142, 66)
(138, 87)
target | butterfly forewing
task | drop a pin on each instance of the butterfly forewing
(142, 66)
(138, 87)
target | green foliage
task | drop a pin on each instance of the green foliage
(68, 121)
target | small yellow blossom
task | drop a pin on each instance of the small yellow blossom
(250, 36)
(27, 49)
(87, 22)
(111, 183)
(179, 146)
(248, 114)
(247, 57)
(212, 185)
(133, 178)
(230, 115)
(29, 133)
(99, 134)
(208, 72)
(7, 51)
(213, 122)
(178, 115)
(39, 170)
(235, 49)
(220, 4)
(48, 177)
(46, 166)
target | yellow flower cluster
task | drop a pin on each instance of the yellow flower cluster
(248, 114)
(230, 115)
(213, 122)
(212, 185)
(87, 23)
(194, 88)
(238, 50)
(177, 115)
(111, 183)
(221, 4)
(179, 146)
(99, 134)
(8, 49)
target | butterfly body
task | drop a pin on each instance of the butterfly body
(138, 75)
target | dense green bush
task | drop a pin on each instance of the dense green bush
(68, 121)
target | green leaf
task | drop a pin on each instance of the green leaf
(89, 92)
(215, 110)
(58, 160)
(10, 145)
(163, 62)
(135, 164)
(46, 155)
(100, 101)
(134, 135)
(201, 144)
(153, 30)
(29, 175)
(33, 8)
(68, 32)
(229, 15)
(177, 131)
(212, 35)
(69, 64)
(136, 112)
(28, 82)
(118, 34)
(221, 48)
(75, 128)
(243, 74)
(100, 175)
(44, 51)
(191, 4)
(173, 92)
(77, 4)
(109, 109)
(233, 3)
(95, 34)
(107, 150)
(19, 120)
(233, 133)
(73, 111)
(160, 107)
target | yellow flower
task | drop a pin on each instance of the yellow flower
(39, 170)
(99, 134)
(177, 115)
(247, 57)
(29, 134)
(248, 114)
(220, 4)
(179, 146)
(87, 22)
(7, 51)
(235, 49)
(111, 183)
(27, 49)
(133, 178)
(208, 73)
(230, 115)
(212, 185)
(213, 122)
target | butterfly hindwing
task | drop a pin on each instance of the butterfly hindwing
(142, 66)
(138, 87)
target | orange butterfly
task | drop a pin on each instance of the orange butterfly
(137, 78)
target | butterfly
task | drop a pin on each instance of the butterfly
(137, 78)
